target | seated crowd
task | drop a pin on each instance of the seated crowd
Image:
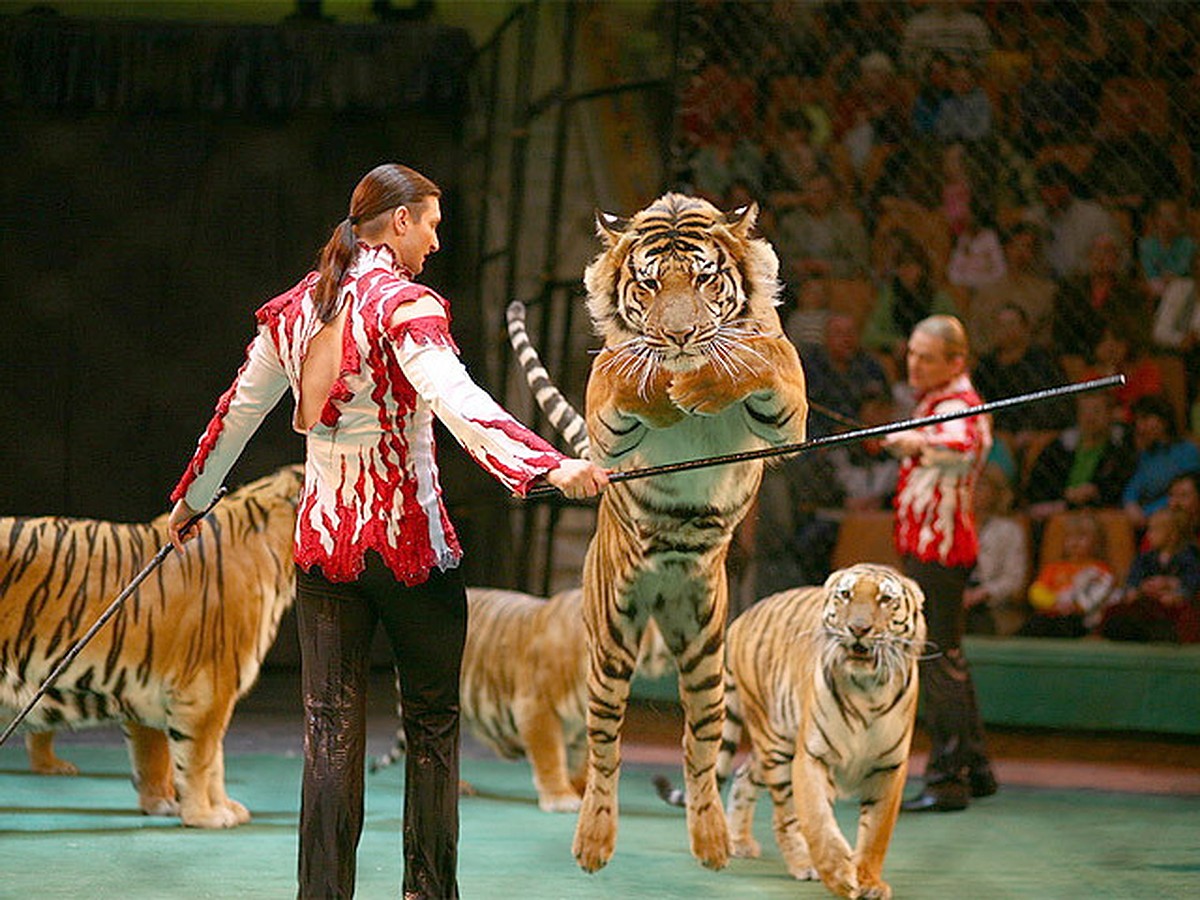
(1028, 168)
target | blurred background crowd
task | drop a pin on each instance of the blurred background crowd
(1028, 167)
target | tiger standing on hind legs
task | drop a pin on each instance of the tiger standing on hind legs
(695, 363)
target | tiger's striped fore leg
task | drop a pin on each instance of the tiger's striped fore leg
(695, 624)
(774, 754)
(195, 730)
(831, 854)
(878, 809)
(150, 759)
(42, 758)
(613, 641)
(743, 797)
(542, 733)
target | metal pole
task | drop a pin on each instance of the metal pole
(847, 437)
(77, 648)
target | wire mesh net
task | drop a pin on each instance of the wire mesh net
(1026, 166)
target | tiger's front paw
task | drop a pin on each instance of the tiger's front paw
(709, 836)
(745, 847)
(559, 802)
(704, 391)
(595, 835)
(880, 890)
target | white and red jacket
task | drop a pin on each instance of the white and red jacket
(371, 478)
(935, 521)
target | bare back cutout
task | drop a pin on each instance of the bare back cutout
(319, 370)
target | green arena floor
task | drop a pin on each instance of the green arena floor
(82, 837)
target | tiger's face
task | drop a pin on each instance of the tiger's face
(872, 620)
(680, 284)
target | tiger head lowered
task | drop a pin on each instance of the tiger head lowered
(680, 283)
(872, 621)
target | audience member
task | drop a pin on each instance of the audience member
(1089, 299)
(960, 187)
(824, 237)
(1071, 223)
(1087, 465)
(840, 375)
(944, 28)
(1183, 499)
(791, 162)
(1160, 600)
(1177, 318)
(1121, 351)
(1161, 456)
(1068, 595)
(1053, 104)
(1014, 366)
(977, 259)
(1166, 251)
(965, 113)
(728, 157)
(870, 117)
(906, 298)
(993, 598)
(864, 470)
(805, 325)
(1021, 285)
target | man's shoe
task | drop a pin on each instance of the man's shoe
(983, 782)
(945, 796)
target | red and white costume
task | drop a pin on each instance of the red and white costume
(934, 520)
(371, 478)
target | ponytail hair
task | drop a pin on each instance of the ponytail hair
(381, 190)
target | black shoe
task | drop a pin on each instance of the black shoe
(944, 796)
(983, 782)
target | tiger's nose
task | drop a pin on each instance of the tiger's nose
(859, 629)
(680, 336)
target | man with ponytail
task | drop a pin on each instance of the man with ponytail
(367, 354)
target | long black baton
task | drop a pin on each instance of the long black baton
(75, 650)
(846, 437)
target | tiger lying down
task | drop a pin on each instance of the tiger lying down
(176, 657)
(524, 686)
(824, 679)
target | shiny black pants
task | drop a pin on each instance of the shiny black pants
(950, 710)
(426, 627)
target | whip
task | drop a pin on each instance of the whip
(1110, 381)
(78, 646)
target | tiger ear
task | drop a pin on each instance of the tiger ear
(741, 220)
(610, 227)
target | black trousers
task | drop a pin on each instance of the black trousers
(426, 626)
(951, 712)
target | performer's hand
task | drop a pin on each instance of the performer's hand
(578, 478)
(904, 443)
(178, 518)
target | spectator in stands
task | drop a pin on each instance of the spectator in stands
(1087, 465)
(1088, 301)
(1068, 595)
(824, 237)
(944, 28)
(1121, 351)
(1183, 499)
(906, 298)
(805, 325)
(1166, 250)
(933, 87)
(1161, 456)
(864, 470)
(977, 258)
(730, 156)
(713, 95)
(1022, 285)
(1055, 108)
(1016, 365)
(840, 375)
(1160, 601)
(994, 598)
(965, 113)
(961, 183)
(869, 118)
(1071, 223)
(791, 163)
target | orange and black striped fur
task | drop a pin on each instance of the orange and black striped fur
(172, 662)
(694, 364)
(824, 680)
(523, 685)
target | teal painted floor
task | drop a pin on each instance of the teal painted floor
(82, 837)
